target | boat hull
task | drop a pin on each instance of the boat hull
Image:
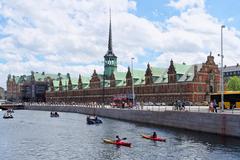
(7, 117)
(109, 141)
(93, 121)
(153, 139)
(54, 116)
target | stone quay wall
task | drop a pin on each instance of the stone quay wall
(222, 124)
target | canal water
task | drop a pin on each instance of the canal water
(33, 135)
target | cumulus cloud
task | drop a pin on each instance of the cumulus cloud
(230, 19)
(183, 4)
(194, 33)
(71, 36)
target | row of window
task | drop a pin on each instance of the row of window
(232, 73)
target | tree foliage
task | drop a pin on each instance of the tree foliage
(233, 84)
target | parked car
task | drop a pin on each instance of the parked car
(188, 103)
(158, 104)
(151, 103)
(163, 104)
(148, 104)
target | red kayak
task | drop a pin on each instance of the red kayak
(121, 143)
(154, 139)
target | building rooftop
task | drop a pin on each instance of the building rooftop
(231, 68)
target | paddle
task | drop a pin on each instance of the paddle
(122, 138)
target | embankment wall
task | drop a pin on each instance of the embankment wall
(223, 124)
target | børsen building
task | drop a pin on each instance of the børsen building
(177, 82)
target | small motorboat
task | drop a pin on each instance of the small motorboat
(97, 121)
(54, 114)
(10, 110)
(121, 143)
(7, 116)
(153, 139)
(93, 120)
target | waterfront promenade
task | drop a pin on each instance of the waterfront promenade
(196, 118)
(202, 109)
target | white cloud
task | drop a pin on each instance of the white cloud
(184, 4)
(195, 33)
(71, 36)
(230, 19)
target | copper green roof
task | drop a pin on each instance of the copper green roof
(55, 83)
(120, 83)
(86, 79)
(120, 75)
(181, 68)
(85, 85)
(74, 81)
(20, 79)
(184, 73)
(41, 76)
(158, 71)
(52, 76)
(139, 77)
(106, 83)
(139, 74)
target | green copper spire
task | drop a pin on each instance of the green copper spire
(110, 60)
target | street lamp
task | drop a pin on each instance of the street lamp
(103, 94)
(222, 81)
(133, 95)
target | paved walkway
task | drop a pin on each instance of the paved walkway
(203, 109)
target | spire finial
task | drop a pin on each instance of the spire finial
(110, 33)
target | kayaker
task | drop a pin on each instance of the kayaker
(154, 135)
(88, 118)
(118, 139)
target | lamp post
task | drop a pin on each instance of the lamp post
(103, 95)
(222, 81)
(133, 95)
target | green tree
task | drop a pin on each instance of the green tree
(233, 84)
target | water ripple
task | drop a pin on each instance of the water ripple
(33, 135)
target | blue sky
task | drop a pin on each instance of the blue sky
(224, 10)
(227, 12)
(158, 10)
(155, 10)
(71, 36)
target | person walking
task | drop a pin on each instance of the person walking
(141, 104)
(211, 108)
(215, 105)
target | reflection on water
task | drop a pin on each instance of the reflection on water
(33, 135)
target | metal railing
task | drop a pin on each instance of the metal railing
(203, 109)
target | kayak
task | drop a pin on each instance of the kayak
(121, 143)
(154, 139)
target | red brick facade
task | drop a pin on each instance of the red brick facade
(13, 89)
(206, 80)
